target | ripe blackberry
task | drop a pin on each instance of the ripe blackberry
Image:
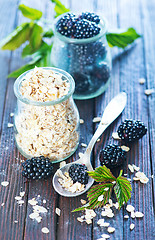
(65, 25)
(78, 173)
(100, 72)
(131, 130)
(85, 29)
(112, 156)
(37, 168)
(91, 17)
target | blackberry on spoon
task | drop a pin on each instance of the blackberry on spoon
(78, 173)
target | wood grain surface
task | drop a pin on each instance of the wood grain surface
(129, 65)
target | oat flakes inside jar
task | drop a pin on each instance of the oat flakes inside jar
(46, 119)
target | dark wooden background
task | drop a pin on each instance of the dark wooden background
(128, 66)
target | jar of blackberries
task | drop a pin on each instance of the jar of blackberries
(80, 48)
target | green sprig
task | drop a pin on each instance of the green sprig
(108, 182)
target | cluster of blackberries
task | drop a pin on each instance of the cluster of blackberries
(129, 131)
(79, 27)
(37, 168)
(78, 173)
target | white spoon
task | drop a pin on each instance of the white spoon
(111, 112)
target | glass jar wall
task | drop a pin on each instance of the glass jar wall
(49, 128)
(87, 60)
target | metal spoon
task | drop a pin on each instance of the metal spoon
(112, 111)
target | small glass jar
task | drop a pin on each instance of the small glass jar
(87, 60)
(49, 128)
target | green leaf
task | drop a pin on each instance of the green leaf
(59, 8)
(98, 190)
(123, 39)
(40, 58)
(102, 174)
(16, 38)
(122, 190)
(36, 36)
(31, 13)
(81, 208)
(43, 49)
(28, 66)
(49, 33)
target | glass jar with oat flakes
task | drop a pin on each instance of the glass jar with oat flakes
(46, 119)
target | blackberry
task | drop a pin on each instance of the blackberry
(78, 173)
(131, 130)
(100, 72)
(65, 25)
(81, 82)
(90, 16)
(37, 168)
(112, 156)
(85, 29)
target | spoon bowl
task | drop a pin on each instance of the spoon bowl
(112, 111)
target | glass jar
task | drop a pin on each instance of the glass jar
(87, 60)
(49, 128)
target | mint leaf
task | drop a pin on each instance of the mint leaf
(102, 174)
(36, 36)
(102, 189)
(123, 39)
(16, 38)
(122, 190)
(59, 8)
(31, 13)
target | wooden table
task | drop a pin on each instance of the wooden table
(128, 66)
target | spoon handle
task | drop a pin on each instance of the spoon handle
(112, 111)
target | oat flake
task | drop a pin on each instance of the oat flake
(130, 208)
(125, 148)
(58, 211)
(10, 125)
(96, 119)
(45, 230)
(111, 229)
(149, 91)
(132, 225)
(139, 214)
(115, 136)
(142, 80)
(5, 183)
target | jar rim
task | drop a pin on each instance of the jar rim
(102, 24)
(46, 103)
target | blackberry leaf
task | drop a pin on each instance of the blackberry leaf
(97, 191)
(122, 190)
(102, 174)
